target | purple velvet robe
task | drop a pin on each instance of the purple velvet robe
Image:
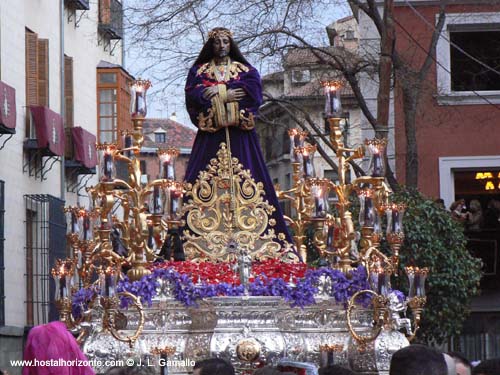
(244, 143)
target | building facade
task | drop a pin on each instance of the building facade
(52, 93)
(295, 99)
(456, 133)
(162, 134)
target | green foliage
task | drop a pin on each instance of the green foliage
(435, 240)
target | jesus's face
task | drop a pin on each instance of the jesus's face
(222, 46)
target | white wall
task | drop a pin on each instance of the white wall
(81, 43)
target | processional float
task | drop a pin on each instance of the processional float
(243, 294)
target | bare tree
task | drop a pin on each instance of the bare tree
(169, 34)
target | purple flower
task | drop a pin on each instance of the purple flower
(184, 290)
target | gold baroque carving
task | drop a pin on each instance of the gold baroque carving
(226, 212)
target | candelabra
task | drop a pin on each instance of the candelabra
(125, 225)
(335, 236)
(163, 354)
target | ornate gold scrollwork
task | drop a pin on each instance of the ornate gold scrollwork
(226, 209)
(379, 312)
(111, 308)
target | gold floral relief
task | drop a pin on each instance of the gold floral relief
(226, 213)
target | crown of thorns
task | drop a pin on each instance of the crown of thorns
(219, 33)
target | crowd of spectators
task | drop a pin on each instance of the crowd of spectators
(53, 342)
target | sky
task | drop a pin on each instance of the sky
(163, 106)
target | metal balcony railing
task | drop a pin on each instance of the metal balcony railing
(111, 18)
(77, 4)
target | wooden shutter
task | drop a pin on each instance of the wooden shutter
(31, 68)
(68, 91)
(68, 106)
(124, 119)
(43, 72)
(105, 11)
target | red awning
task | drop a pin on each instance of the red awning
(49, 129)
(7, 106)
(84, 147)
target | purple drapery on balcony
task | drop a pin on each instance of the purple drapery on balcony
(49, 129)
(7, 106)
(84, 147)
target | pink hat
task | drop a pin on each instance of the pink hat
(52, 349)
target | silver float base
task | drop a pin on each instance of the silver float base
(246, 331)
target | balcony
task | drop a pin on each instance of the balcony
(77, 4)
(111, 18)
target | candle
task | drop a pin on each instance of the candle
(369, 214)
(108, 166)
(62, 286)
(410, 272)
(333, 105)
(151, 241)
(128, 144)
(383, 283)
(420, 282)
(416, 283)
(174, 203)
(168, 169)
(320, 203)
(87, 229)
(108, 283)
(79, 258)
(330, 237)
(378, 168)
(308, 165)
(157, 203)
(396, 227)
(74, 222)
(163, 364)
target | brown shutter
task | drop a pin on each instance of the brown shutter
(68, 91)
(68, 103)
(125, 121)
(43, 72)
(31, 68)
(105, 11)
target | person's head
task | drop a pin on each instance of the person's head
(335, 370)
(220, 44)
(462, 364)
(213, 366)
(440, 203)
(475, 205)
(53, 341)
(458, 205)
(418, 360)
(488, 367)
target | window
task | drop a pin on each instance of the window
(301, 75)
(143, 167)
(459, 76)
(466, 73)
(113, 100)
(107, 116)
(160, 137)
(37, 74)
(349, 35)
(45, 242)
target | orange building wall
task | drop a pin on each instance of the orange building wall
(459, 130)
(153, 166)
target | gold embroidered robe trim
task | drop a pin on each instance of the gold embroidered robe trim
(223, 113)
